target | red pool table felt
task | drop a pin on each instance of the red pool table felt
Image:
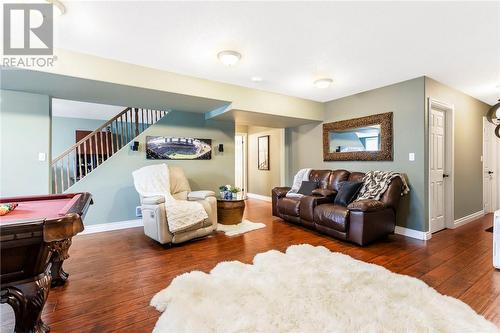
(47, 207)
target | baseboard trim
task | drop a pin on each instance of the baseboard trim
(95, 228)
(412, 233)
(466, 219)
(259, 197)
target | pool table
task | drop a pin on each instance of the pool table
(34, 242)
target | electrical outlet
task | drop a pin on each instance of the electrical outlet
(138, 211)
(42, 157)
(411, 157)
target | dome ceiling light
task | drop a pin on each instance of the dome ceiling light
(323, 83)
(228, 57)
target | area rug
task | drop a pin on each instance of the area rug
(308, 289)
(240, 228)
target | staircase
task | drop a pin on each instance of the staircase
(90, 152)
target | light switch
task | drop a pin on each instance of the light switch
(411, 157)
(42, 157)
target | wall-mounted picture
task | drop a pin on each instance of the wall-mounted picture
(178, 148)
(263, 152)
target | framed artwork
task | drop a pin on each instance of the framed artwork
(263, 152)
(178, 148)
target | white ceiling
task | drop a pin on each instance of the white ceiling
(361, 45)
(73, 109)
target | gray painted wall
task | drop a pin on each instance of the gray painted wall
(406, 100)
(111, 185)
(24, 132)
(468, 135)
(63, 131)
(263, 181)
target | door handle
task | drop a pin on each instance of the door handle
(445, 175)
(490, 172)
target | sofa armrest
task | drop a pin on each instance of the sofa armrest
(200, 195)
(280, 192)
(367, 205)
(308, 203)
(320, 192)
(155, 200)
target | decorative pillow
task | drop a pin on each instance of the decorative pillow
(6, 208)
(307, 187)
(347, 193)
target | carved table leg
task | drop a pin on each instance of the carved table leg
(27, 301)
(60, 253)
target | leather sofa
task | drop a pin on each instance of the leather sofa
(361, 222)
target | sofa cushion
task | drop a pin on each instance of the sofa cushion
(332, 216)
(337, 177)
(321, 177)
(347, 193)
(289, 206)
(307, 187)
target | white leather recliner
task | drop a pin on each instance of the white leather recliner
(154, 216)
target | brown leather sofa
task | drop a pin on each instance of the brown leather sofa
(361, 222)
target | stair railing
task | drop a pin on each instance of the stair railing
(87, 154)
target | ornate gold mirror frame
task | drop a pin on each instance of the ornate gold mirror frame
(386, 139)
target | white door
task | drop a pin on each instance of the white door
(240, 162)
(490, 173)
(437, 127)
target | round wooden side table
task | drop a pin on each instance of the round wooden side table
(230, 211)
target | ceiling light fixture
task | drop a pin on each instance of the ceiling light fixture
(323, 83)
(59, 8)
(229, 58)
(256, 79)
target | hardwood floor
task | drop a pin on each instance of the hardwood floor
(113, 275)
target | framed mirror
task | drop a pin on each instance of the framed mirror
(359, 139)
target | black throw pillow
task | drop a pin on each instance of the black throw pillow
(347, 193)
(307, 187)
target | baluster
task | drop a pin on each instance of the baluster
(127, 139)
(142, 119)
(121, 131)
(79, 161)
(96, 154)
(62, 177)
(102, 147)
(74, 168)
(54, 169)
(68, 171)
(91, 153)
(136, 110)
(85, 156)
(107, 142)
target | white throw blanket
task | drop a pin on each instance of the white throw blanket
(302, 175)
(154, 180)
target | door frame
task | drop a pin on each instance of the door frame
(449, 111)
(496, 161)
(244, 161)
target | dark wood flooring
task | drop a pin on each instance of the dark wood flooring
(113, 275)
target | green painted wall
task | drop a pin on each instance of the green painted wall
(24, 133)
(468, 135)
(63, 131)
(111, 184)
(406, 101)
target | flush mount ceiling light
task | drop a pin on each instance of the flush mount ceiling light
(256, 79)
(229, 58)
(59, 8)
(323, 83)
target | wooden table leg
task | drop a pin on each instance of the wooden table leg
(27, 300)
(60, 253)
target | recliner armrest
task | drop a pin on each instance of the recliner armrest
(200, 195)
(280, 192)
(155, 200)
(367, 205)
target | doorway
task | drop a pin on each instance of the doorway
(240, 157)
(490, 167)
(440, 166)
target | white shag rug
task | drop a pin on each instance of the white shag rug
(240, 228)
(308, 289)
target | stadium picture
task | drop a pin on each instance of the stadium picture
(175, 148)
